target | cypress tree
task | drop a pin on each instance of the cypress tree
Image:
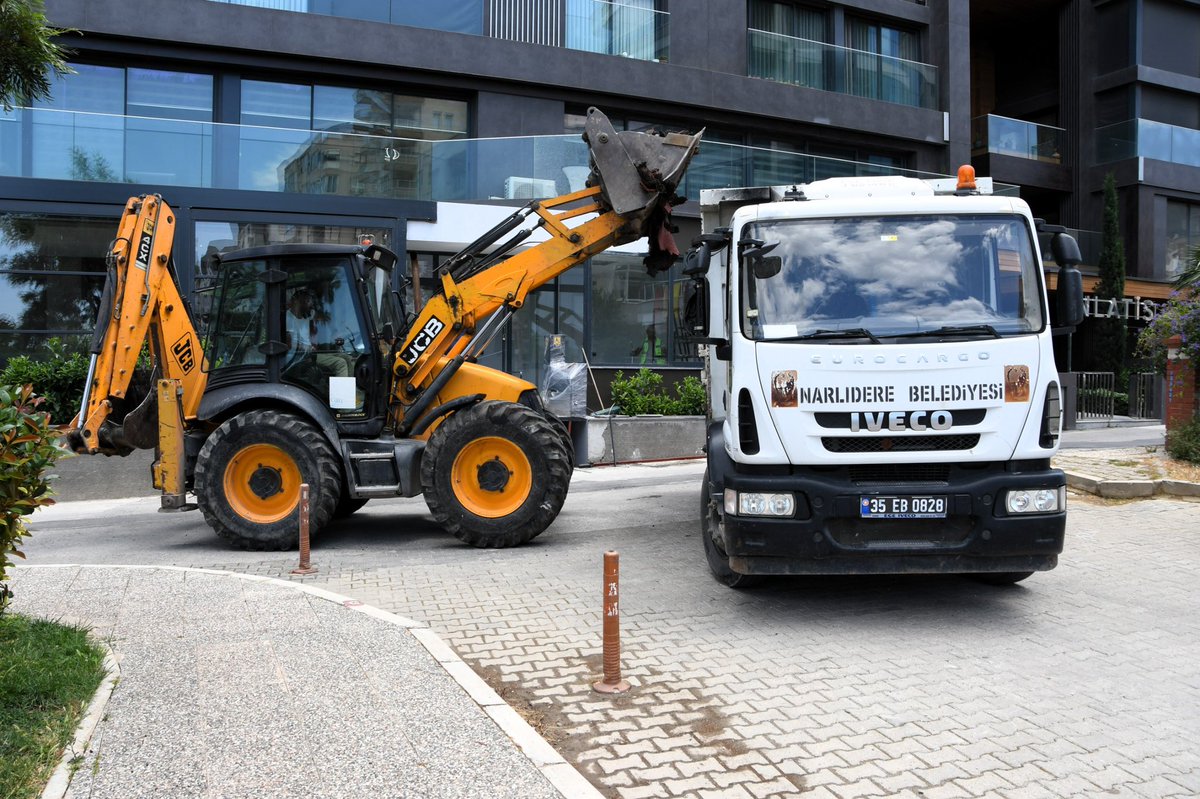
(1109, 344)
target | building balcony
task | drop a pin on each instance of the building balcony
(1144, 138)
(1017, 139)
(817, 65)
(153, 153)
(632, 29)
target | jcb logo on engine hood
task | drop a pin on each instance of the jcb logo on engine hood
(422, 341)
(895, 421)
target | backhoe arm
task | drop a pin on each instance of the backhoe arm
(631, 189)
(141, 304)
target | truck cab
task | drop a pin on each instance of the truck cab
(883, 391)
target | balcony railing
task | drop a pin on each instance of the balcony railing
(632, 28)
(1016, 138)
(1144, 138)
(625, 29)
(1090, 243)
(64, 145)
(818, 65)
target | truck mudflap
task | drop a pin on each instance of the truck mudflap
(829, 535)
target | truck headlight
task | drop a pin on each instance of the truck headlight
(751, 503)
(1037, 500)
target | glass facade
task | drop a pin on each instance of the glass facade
(51, 277)
(1183, 236)
(459, 16)
(789, 43)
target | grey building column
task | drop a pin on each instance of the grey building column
(511, 115)
(713, 39)
(950, 45)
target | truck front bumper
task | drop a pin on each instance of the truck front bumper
(828, 535)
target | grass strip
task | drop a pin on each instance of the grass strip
(48, 674)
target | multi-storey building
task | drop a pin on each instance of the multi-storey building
(416, 123)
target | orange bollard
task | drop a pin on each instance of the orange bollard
(305, 567)
(612, 682)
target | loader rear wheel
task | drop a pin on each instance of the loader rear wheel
(248, 477)
(495, 474)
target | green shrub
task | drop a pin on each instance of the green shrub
(1120, 399)
(26, 451)
(1184, 443)
(643, 393)
(58, 379)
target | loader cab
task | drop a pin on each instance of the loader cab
(311, 317)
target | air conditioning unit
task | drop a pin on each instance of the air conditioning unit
(516, 188)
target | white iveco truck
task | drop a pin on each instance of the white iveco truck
(883, 391)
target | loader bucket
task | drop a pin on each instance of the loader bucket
(637, 172)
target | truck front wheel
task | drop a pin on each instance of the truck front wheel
(495, 474)
(714, 550)
(248, 477)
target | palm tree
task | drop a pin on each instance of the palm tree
(1189, 276)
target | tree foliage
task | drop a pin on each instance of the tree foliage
(27, 52)
(27, 450)
(1109, 333)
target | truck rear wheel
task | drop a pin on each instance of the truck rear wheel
(714, 550)
(495, 474)
(248, 477)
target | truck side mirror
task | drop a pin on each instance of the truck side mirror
(696, 305)
(1069, 294)
(762, 265)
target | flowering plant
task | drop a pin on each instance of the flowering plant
(1180, 317)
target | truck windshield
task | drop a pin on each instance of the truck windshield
(893, 276)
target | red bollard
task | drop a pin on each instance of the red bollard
(612, 682)
(305, 567)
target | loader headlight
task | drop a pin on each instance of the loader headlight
(752, 503)
(1038, 500)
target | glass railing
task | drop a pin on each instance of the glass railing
(458, 16)
(817, 65)
(64, 145)
(1090, 242)
(1144, 138)
(1016, 138)
(631, 30)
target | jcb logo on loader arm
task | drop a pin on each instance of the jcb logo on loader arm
(145, 243)
(183, 352)
(423, 340)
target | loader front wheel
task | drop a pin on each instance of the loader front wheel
(495, 474)
(248, 477)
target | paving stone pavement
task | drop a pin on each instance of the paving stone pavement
(1080, 682)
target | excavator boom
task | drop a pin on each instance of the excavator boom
(140, 304)
(632, 187)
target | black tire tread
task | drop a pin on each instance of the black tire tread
(494, 418)
(324, 495)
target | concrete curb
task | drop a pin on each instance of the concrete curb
(558, 772)
(1130, 489)
(60, 779)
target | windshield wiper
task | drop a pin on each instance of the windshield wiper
(853, 332)
(954, 330)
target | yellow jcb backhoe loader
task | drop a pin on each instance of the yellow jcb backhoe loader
(313, 370)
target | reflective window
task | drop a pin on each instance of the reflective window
(631, 312)
(51, 278)
(1183, 236)
(892, 276)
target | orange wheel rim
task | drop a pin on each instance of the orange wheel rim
(262, 483)
(491, 477)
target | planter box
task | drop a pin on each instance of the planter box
(629, 439)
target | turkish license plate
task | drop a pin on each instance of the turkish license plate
(903, 507)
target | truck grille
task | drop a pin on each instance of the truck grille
(900, 474)
(857, 444)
